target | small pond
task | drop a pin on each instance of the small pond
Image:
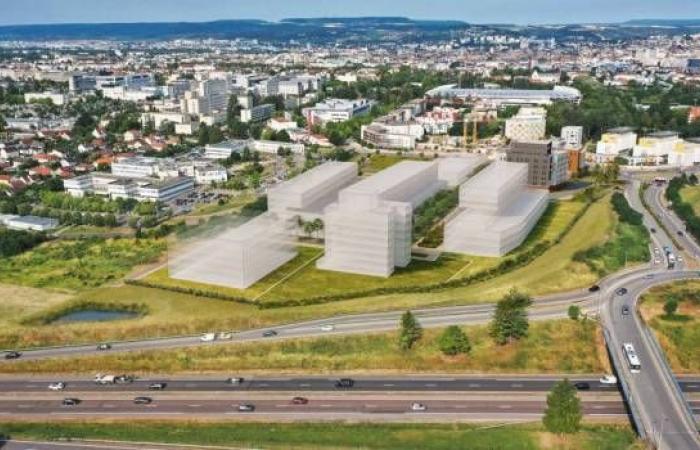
(93, 315)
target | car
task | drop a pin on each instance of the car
(656, 250)
(657, 261)
(143, 400)
(207, 337)
(625, 310)
(594, 288)
(235, 380)
(418, 407)
(269, 333)
(679, 258)
(653, 230)
(157, 386)
(105, 346)
(679, 233)
(608, 379)
(649, 276)
(621, 291)
(70, 401)
(124, 379)
(300, 401)
(344, 383)
(582, 386)
(327, 327)
(246, 407)
(59, 386)
(225, 335)
(12, 354)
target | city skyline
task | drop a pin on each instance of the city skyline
(499, 11)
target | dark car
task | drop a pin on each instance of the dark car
(653, 230)
(582, 386)
(157, 386)
(594, 288)
(344, 383)
(246, 407)
(124, 379)
(300, 400)
(269, 333)
(12, 355)
(104, 346)
(143, 401)
(680, 233)
(625, 310)
(621, 291)
(70, 401)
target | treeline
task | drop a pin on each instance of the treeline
(14, 242)
(683, 209)
(60, 200)
(625, 211)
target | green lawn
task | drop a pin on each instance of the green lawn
(679, 335)
(336, 436)
(381, 161)
(558, 346)
(691, 195)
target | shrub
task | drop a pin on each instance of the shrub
(453, 341)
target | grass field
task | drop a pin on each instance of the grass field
(691, 195)
(233, 204)
(381, 161)
(558, 346)
(301, 279)
(679, 335)
(335, 436)
(80, 264)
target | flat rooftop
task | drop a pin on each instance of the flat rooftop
(495, 175)
(388, 178)
(318, 175)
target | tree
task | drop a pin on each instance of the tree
(411, 331)
(510, 319)
(574, 312)
(671, 307)
(453, 341)
(563, 413)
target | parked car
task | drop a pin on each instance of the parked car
(207, 337)
(418, 407)
(345, 383)
(235, 380)
(300, 400)
(269, 333)
(621, 291)
(608, 379)
(58, 386)
(246, 407)
(12, 354)
(582, 386)
(70, 401)
(157, 386)
(143, 400)
(105, 346)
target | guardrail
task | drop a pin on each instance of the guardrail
(627, 395)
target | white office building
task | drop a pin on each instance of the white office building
(368, 231)
(615, 142)
(455, 170)
(496, 211)
(223, 150)
(572, 136)
(336, 110)
(258, 113)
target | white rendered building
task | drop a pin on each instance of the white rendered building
(497, 211)
(572, 137)
(455, 170)
(308, 194)
(654, 148)
(368, 231)
(614, 142)
(529, 124)
(238, 257)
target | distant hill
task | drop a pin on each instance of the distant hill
(680, 23)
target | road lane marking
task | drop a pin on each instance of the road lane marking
(195, 406)
(516, 385)
(389, 385)
(473, 385)
(326, 406)
(505, 406)
(431, 385)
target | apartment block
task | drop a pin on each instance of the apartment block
(336, 110)
(529, 124)
(258, 113)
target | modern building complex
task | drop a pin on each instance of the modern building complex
(572, 137)
(615, 142)
(141, 189)
(392, 134)
(455, 170)
(496, 211)
(369, 229)
(223, 150)
(258, 113)
(240, 256)
(655, 148)
(529, 124)
(336, 110)
(546, 168)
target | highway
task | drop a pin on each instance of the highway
(321, 384)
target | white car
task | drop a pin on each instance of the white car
(327, 328)
(59, 386)
(225, 335)
(608, 379)
(680, 258)
(418, 407)
(207, 337)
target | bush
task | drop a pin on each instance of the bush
(453, 341)
(563, 413)
(671, 307)
(574, 312)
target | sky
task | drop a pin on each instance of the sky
(14, 12)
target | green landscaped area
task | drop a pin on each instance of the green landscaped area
(336, 436)
(678, 334)
(691, 195)
(300, 278)
(558, 346)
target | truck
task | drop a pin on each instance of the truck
(105, 379)
(671, 260)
